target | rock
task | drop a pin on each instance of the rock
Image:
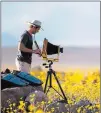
(83, 103)
(62, 107)
(36, 97)
(57, 107)
(7, 100)
(15, 94)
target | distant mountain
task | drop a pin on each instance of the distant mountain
(8, 39)
(71, 57)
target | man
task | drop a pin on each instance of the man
(25, 47)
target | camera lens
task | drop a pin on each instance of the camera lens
(61, 50)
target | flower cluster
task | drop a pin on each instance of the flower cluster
(78, 85)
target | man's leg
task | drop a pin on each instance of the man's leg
(23, 66)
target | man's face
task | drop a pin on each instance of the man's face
(35, 30)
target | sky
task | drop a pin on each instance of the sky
(64, 23)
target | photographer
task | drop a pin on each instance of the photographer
(25, 47)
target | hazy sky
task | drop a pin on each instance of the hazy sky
(64, 23)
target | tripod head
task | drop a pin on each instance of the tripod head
(49, 64)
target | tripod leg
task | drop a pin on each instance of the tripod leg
(50, 81)
(57, 92)
(50, 74)
(59, 86)
(47, 90)
(46, 82)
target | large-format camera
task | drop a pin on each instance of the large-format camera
(50, 49)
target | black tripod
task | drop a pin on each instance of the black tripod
(49, 76)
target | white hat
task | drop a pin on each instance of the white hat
(36, 23)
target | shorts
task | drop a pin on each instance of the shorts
(22, 66)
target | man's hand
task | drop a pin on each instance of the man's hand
(37, 51)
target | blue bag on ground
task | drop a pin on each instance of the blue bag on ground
(19, 79)
(14, 79)
(10, 81)
(27, 77)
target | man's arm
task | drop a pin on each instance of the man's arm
(22, 47)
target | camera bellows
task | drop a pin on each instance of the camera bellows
(51, 49)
